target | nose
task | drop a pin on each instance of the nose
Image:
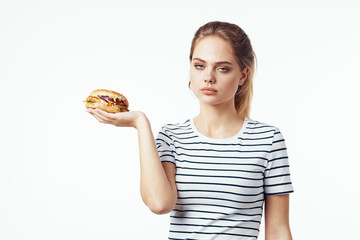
(209, 80)
(209, 77)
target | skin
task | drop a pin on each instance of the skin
(213, 66)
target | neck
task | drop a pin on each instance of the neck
(218, 121)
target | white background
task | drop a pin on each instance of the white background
(63, 175)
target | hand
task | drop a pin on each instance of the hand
(121, 119)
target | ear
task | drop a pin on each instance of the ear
(189, 77)
(244, 74)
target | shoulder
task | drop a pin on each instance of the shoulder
(185, 125)
(171, 130)
(256, 125)
(263, 128)
(265, 133)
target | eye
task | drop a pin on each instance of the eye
(223, 69)
(198, 66)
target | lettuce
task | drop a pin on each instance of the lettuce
(91, 103)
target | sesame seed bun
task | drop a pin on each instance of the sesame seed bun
(107, 100)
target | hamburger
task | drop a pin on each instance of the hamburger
(107, 100)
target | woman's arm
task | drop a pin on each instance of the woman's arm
(157, 180)
(277, 225)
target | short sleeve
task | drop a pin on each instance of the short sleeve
(277, 172)
(165, 146)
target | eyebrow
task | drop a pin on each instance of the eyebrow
(221, 62)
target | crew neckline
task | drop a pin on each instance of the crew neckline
(243, 127)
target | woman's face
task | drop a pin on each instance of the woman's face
(214, 73)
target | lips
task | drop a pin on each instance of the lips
(208, 91)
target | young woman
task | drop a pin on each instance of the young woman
(215, 172)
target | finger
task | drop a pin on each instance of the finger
(109, 117)
(104, 114)
(99, 117)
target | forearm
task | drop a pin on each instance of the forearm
(284, 234)
(156, 190)
(277, 225)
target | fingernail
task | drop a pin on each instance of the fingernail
(86, 110)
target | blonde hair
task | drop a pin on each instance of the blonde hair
(243, 52)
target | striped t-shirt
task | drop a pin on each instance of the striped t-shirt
(221, 182)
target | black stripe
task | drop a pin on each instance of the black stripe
(278, 184)
(203, 156)
(222, 184)
(254, 138)
(182, 239)
(158, 139)
(166, 131)
(221, 219)
(266, 126)
(184, 137)
(166, 155)
(224, 144)
(225, 150)
(168, 137)
(231, 170)
(178, 124)
(272, 130)
(221, 213)
(222, 192)
(216, 233)
(220, 163)
(279, 149)
(168, 161)
(186, 127)
(216, 176)
(279, 158)
(277, 141)
(283, 166)
(169, 151)
(222, 199)
(213, 226)
(282, 175)
(280, 193)
(216, 205)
